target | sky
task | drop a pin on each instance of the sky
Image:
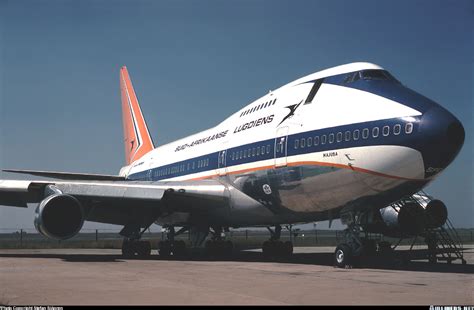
(193, 63)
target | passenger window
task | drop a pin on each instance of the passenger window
(375, 132)
(245, 153)
(356, 134)
(316, 140)
(253, 152)
(309, 142)
(323, 139)
(263, 150)
(348, 136)
(339, 137)
(303, 142)
(386, 130)
(297, 143)
(396, 129)
(258, 151)
(331, 138)
(409, 128)
(365, 133)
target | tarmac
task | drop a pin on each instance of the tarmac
(103, 277)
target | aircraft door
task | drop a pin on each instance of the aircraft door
(222, 162)
(281, 143)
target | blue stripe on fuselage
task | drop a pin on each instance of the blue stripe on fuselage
(185, 167)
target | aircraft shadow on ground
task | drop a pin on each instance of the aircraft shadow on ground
(317, 259)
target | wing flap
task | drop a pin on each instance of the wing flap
(15, 193)
(176, 196)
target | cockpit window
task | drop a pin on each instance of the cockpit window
(371, 74)
(374, 75)
(352, 77)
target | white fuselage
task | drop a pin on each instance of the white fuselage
(344, 146)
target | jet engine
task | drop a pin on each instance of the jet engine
(408, 220)
(59, 216)
(436, 213)
(411, 219)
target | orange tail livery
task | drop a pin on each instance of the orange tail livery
(137, 139)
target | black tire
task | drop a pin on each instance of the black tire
(164, 248)
(278, 248)
(179, 248)
(210, 248)
(127, 250)
(143, 248)
(343, 256)
(266, 249)
(229, 247)
(288, 248)
(369, 247)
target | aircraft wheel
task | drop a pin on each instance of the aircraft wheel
(343, 255)
(228, 247)
(143, 248)
(210, 247)
(266, 249)
(164, 248)
(179, 248)
(288, 248)
(127, 250)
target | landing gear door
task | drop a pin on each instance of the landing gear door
(281, 146)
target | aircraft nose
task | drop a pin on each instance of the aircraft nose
(443, 136)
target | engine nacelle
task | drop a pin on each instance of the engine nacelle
(59, 216)
(408, 220)
(436, 213)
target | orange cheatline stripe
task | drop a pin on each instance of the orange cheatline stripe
(313, 163)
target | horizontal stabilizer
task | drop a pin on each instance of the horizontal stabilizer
(69, 175)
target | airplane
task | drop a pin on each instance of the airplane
(350, 142)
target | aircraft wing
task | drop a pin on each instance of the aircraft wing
(115, 202)
(69, 175)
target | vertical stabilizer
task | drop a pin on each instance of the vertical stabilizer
(137, 139)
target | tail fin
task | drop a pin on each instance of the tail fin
(137, 140)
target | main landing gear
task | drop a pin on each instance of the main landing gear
(133, 246)
(217, 245)
(275, 247)
(172, 246)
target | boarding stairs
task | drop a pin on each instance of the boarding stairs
(444, 243)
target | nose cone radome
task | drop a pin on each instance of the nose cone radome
(443, 137)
